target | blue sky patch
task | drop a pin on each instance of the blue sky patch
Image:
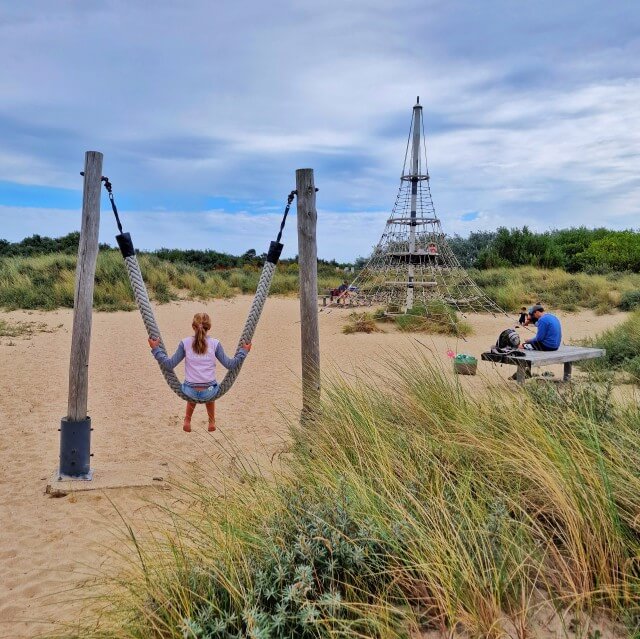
(32, 196)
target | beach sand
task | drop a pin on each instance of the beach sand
(49, 546)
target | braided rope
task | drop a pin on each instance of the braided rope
(262, 291)
(146, 311)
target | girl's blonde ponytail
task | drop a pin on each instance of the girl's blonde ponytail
(201, 324)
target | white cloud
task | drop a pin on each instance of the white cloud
(531, 115)
(342, 236)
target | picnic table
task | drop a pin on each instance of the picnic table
(566, 355)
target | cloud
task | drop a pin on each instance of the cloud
(215, 230)
(530, 109)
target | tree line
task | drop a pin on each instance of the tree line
(203, 259)
(576, 249)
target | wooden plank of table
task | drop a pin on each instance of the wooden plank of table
(563, 355)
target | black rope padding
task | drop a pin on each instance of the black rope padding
(126, 244)
(275, 250)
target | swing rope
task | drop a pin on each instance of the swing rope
(146, 310)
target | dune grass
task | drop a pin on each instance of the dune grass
(435, 317)
(361, 323)
(622, 345)
(511, 288)
(405, 504)
(48, 281)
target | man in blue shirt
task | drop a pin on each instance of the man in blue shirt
(549, 335)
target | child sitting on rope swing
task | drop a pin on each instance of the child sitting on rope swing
(199, 352)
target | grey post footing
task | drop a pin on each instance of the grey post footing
(75, 444)
(568, 369)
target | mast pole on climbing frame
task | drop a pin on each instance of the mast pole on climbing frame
(75, 428)
(415, 173)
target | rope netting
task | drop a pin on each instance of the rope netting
(413, 268)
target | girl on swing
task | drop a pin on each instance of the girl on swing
(200, 353)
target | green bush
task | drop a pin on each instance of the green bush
(622, 345)
(617, 251)
(630, 301)
(517, 247)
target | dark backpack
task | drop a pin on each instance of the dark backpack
(507, 344)
(508, 339)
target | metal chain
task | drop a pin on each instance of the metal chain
(109, 188)
(286, 212)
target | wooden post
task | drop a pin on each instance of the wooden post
(308, 267)
(76, 427)
(83, 298)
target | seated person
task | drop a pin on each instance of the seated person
(343, 292)
(549, 335)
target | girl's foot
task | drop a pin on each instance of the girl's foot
(212, 427)
(186, 427)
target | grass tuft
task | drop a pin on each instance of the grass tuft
(47, 281)
(436, 317)
(361, 323)
(22, 329)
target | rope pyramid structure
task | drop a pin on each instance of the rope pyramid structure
(413, 269)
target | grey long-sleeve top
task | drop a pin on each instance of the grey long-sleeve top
(169, 363)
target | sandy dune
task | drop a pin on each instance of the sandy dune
(48, 546)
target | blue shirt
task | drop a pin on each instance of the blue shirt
(549, 332)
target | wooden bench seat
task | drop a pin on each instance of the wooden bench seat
(564, 355)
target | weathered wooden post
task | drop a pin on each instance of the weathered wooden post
(75, 428)
(308, 266)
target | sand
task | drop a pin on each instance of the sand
(50, 546)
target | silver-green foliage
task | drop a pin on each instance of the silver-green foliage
(315, 553)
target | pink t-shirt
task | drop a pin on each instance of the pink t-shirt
(199, 369)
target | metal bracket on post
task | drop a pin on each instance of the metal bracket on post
(75, 446)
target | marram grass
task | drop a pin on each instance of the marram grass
(405, 504)
(511, 288)
(47, 281)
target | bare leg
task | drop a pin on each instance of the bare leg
(211, 411)
(191, 406)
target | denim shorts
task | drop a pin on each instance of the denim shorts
(205, 395)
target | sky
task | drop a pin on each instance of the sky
(204, 111)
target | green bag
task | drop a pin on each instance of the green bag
(465, 364)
